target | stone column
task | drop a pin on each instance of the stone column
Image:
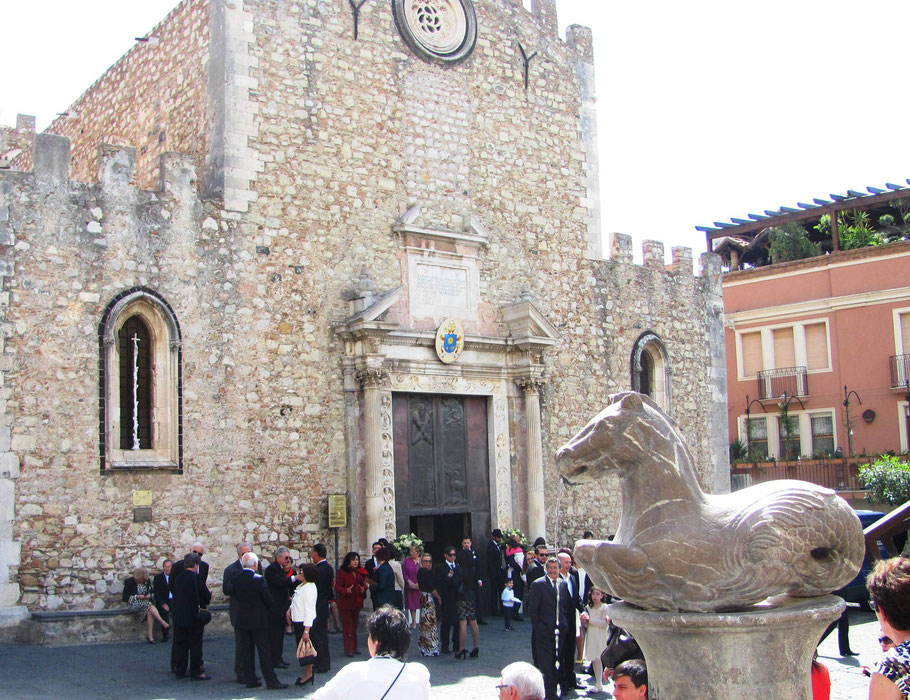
(762, 652)
(537, 521)
(380, 475)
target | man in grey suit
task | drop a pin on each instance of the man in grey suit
(227, 586)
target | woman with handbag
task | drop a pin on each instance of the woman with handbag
(350, 585)
(301, 614)
(385, 676)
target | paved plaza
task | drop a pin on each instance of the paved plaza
(138, 670)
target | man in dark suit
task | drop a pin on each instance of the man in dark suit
(319, 632)
(199, 550)
(190, 593)
(495, 570)
(279, 575)
(227, 586)
(176, 570)
(567, 679)
(255, 610)
(549, 607)
(536, 565)
(162, 591)
(370, 567)
(448, 581)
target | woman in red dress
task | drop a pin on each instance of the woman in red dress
(350, 585)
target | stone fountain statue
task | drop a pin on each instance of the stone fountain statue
(698, 557)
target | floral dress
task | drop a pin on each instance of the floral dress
(141, 607)
(895, 666)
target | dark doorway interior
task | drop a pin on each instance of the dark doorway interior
(440, 531)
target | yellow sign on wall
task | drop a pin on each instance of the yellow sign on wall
(338, 510)
(142, 498)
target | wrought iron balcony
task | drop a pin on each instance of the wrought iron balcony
(900, 371)
(774, 383)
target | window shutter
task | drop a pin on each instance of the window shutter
(905, 333)
(784, 355)
(816, 346)
(751, 347)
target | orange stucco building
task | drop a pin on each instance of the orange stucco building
(808, 333)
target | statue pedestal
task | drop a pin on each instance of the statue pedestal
(763, 652)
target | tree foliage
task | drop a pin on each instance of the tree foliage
(790, 241)
(888, 480)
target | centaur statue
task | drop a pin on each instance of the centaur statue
(678, 548)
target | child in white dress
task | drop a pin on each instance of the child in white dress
(597, 626)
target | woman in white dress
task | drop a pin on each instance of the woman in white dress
(597, 625)
(385, 675)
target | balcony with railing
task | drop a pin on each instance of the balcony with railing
(836, 473)
(900, 371)
(774, 383)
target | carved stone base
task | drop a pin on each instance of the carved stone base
(765, 652)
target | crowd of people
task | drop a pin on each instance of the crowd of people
(437, 604)
(440, 603)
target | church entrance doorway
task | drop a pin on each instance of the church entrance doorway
(442, 476)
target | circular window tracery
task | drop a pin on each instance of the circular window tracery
(443, 31)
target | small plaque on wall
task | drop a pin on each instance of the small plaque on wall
(338, 510)
(142, 498)
(143, 514)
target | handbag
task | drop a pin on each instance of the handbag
(306, 652)
(203, 616)
(621, 646)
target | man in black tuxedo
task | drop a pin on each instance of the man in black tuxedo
(319, 632)
(567, 679)
(495, 570)
(549, 607)
(227, 586)
(279, 575)
(162, 591)
(448, 581)
(255, 610)
(190, 593)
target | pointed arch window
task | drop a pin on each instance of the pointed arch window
(140, 383)
(651, 369)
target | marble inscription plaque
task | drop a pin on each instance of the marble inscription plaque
(445, 286)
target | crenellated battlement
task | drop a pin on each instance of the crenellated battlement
(50, 158)
(653, 256)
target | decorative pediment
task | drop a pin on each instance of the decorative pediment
(527, 324)
(411, 224)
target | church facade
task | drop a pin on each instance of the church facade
(334, 252)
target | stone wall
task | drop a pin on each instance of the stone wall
(154, 98)
(343, 137)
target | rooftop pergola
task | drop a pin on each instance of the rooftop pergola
(742, 235)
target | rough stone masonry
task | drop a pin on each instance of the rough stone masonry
(290, 213)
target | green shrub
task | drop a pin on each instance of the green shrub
(791, 242)
(888, 480)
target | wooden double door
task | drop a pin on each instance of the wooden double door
(442, 482)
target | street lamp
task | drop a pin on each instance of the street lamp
(848, 421)
(748, 426)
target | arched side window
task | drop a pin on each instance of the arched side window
(140, 383)
(651, 369)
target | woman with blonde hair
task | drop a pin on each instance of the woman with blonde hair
(138, 595)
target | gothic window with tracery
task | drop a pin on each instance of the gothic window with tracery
(140, 397)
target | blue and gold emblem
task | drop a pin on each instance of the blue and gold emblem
(449, 340)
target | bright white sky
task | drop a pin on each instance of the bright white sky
(707, 109)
